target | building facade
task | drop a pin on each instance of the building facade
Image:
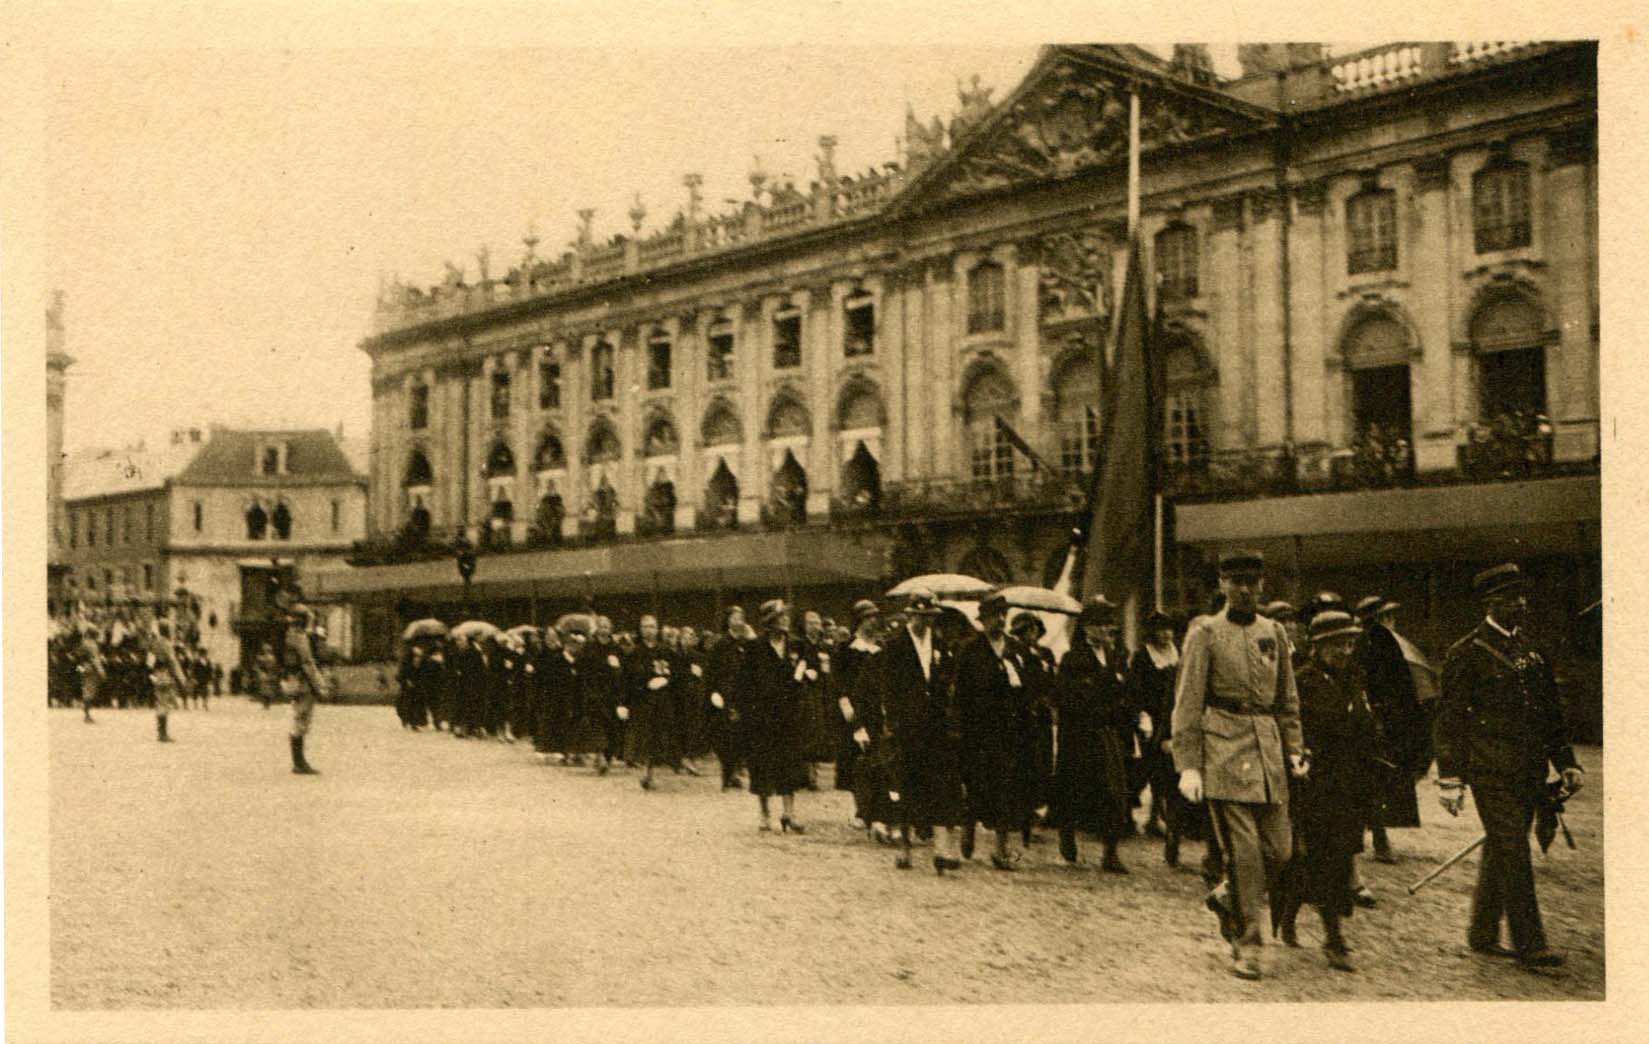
(1376, 284)
(208, 518)
(58, 362)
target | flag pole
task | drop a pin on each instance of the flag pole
(1133, 165)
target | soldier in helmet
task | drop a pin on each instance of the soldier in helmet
(1236, 736)
(1499, 726)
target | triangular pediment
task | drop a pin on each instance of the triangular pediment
(1070, 116)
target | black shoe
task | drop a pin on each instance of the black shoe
(1008, 862)
(1112, 865)
(1170, 850)
(1364, 898)
(1337, 958)
(1228, 920)
(1289, 935)
(1494, 949)
(603, 768)
(646, 783)
(943, 863)
(1540, 957)
(790, 826)
(300, 767)
(902, 861)
(1067, 845)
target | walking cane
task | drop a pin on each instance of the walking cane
(1453, 859)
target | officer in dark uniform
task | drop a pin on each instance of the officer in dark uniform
(1499, 724)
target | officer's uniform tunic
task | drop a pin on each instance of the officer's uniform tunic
(1237, 720)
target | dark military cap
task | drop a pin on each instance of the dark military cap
(1501, 578)
(1098, 610)
(1245, 563)
(1279, 611)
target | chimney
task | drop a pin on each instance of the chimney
(1262, 59)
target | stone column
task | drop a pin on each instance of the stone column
(523, 406)
(1024, 275)
(1227, 327)
(1265, 344)
(947, 325)
(915, 458)
(575, 407)
(752, 359)
(1309, 320)
(628, 382)
(1572, 363)
(1432, 378)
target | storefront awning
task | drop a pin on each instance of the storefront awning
(682, 564)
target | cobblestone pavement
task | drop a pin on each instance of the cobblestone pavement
(423, 871)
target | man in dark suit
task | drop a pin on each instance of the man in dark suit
(994, 705)
(920, 732)
(603, 670)
(1499, 725)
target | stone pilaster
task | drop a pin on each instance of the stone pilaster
(1571, 363)
(1226, 269)
(1308, 330)
(1432, 378)
(1266, 344)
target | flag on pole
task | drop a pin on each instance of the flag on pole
(1120, 538)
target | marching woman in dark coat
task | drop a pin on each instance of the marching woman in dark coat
(691, 704)
(470, 682)
(994, 704)
(1091, 784)
(769, 695)
(723, 670)
(1027, 630)
(558, 688)
(1151, 678)
(1341, 788)
(921, 734)
(1391, 694)
(848, 686)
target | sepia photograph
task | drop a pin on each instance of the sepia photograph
(810, 524)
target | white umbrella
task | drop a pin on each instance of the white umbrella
(1041, 599)
(943, 585)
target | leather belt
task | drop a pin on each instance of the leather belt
(1231, 706)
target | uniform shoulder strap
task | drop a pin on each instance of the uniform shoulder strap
(1478, 641)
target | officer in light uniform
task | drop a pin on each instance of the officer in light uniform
(1236, 729)
(300, 654)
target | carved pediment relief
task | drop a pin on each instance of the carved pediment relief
(1075, 275)
(1071, 118)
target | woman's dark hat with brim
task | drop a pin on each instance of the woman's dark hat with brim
(1097, 610)
(864, 609)
(1333, 623)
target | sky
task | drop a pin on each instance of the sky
(220, 219)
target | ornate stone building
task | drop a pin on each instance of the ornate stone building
(1376, 277)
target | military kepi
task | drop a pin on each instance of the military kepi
(1242, 563)
(1500, 579)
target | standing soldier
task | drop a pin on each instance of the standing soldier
(300, 654)
(1236, 725)
(165, 675)
(89, 662)
(1499, 724)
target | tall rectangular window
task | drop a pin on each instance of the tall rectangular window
(1185, 443)
(337, 515)
(74, 529)
(549, 384)
(126, 525)
(148, 576)
(418, 408)
(860, 338)
(1371, 231)
(91, 529)
(1176, 257)
(109, 526)
(987, 298)
(787, 340)
(1500, 207)
(1079, 440)
(603, 376)
(658, 362)
(501, 395)
(149, 522)
(200, 515)
(271, 460)
(718, 359)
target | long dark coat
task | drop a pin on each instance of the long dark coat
(921, 733)
(603, 671)
(473, 677)
(653, 710)
(818, 711)
(558, 691)
(848, 681)
(769, 701)
(722, 674)
(1151, 690)
(1040, 679)
(692, 703)
(1342, 791)
(998, 738)
(1090, 778)
(1397, 712)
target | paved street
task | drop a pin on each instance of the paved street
(422, 871)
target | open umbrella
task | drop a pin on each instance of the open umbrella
(520, 632)
(967, 608)
(475, 629)
(943, 585)
(1426, 687)
(429, 627)
(1042, 599)
(583, 620)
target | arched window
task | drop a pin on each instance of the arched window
(1500, 206)
(1377, 350)
(1508, 339)
(1176, 258)
(862, 480)
(603, 376)
(721, 497)
(257, 522)
(501, 395)
(550, 456)
(789, 492)
(1076, 388)
(990, 454)
(987, 297)
(659, 513)
(500, 460)
(604, 444)
(1186, 423)
(418, 470)
(1371, 231)
(860, 409)
(721, 426)
(552, 510)
(281, 521)
(602, 513)
(661, 440)
(788, 418)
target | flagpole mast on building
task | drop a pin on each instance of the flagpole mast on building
(1133, 244)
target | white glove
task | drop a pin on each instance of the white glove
(612, 661)
(529, 668)
(658, 683)
(861, 737)
(1190, 785)
(824, 662)
(698, 671)
(716, 701)
(1145, 728)
(801, 669)
(624, 714)
(1299, 765)
(893, 795)
(846, 707)
(812, 675)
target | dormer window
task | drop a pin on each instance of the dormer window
(272, 459)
